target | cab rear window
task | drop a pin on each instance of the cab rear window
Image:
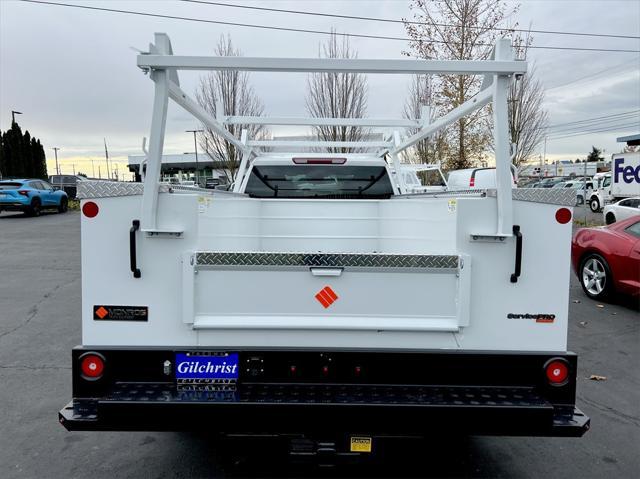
(319, 181)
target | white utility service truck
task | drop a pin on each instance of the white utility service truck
(622, 182)
(320, 297)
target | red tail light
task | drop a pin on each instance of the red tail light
(92, 366)
(23, 192)
(319, 161)
(557, 371)
(90, 209)
(472, 182)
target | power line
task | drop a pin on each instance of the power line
(628, 126)
(391, 20)
(296, 30)
(607, 70)
(631, 113)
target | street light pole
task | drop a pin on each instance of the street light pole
(195, 145)
(55, 149)
(13, 116)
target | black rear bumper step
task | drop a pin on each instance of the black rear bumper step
(286, 408)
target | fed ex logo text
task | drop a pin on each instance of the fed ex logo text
(540, 318)
(628, 173)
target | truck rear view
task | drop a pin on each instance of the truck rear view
(322, 297)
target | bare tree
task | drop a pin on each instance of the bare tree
(432, 149)
(337, 95)
(470, 36)
(528, 120)
(232, 91)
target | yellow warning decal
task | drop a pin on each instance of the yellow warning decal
(360, 444)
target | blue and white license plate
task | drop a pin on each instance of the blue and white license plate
(219, 366)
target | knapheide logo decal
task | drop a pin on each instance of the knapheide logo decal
(103, 312)
(326, 297)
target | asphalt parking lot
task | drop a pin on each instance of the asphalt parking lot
(40, 323)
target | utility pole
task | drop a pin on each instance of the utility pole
(73, 165)
(99, 172)
(55, 149)
(13, 116)
(106, 155)
(195, 145)
(93, 169)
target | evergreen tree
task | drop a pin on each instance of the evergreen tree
(21, 156)
(595, 154)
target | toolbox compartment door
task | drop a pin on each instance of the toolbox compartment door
(238, 290)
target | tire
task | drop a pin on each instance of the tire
(580, 200)
(35, 208)
(595, 277)
(594, 204)
(64, 203)
(610, 219)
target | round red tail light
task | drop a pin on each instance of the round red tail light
(557, 371)
(563, 216)
(90, 209)
(92, 366)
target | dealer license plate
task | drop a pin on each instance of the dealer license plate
(209, 371)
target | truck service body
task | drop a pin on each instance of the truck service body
(321, 295)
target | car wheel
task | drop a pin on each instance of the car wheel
(594, 204)
(580, 200)
(35, 208)
(63, 205)
(595, 277)
(610, 219)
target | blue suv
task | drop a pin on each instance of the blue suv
(31, 196)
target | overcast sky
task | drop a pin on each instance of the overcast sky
(72, 72)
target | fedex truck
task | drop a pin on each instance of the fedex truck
(622, 182)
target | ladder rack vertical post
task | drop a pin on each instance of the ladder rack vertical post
(504, 180)
(243, 162)
(396, 164)
(160, 78)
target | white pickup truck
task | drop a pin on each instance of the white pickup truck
(321, 298)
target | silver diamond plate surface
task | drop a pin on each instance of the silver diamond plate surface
(553, 196)
(106, 189)
(334, 260)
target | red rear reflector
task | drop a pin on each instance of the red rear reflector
(472, 181)
(563, 216)
(90, 209)
(557, 371)
(92, 366)
(319, 161)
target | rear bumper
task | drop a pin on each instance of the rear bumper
(364, 392)
(163, 411)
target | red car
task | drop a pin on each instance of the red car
(607, 259)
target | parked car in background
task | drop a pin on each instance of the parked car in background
(583, 188)
(607, 259)
(67, 183)
(31, 196)
(476, 178)
(621, 210)
(548, 182)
